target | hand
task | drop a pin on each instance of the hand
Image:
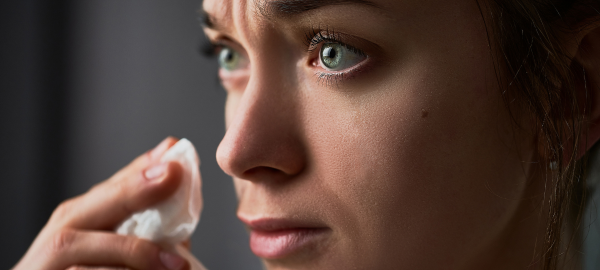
(80, 233)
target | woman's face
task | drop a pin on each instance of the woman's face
(367, 134)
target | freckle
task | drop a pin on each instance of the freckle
(424, 114)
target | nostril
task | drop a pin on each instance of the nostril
(264, 173)
(262, 169)
(257, 157)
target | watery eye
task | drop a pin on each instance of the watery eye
(229, 59)
(335, 57)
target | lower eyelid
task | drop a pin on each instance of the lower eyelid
(329, 79)
(334, 78)
(234, 80)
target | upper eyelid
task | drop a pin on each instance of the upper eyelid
(320, 35)
(347, 46)
(216, 37)
(225, 41)
(328, 35)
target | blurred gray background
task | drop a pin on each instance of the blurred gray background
(86, 86)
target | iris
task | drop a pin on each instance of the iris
(335, 56)
(229, 59)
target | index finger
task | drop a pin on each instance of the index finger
(135, 187)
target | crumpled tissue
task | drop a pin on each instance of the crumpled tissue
(173, 220)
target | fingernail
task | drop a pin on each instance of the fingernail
(155, 171)
(171, 261)
(159, 149)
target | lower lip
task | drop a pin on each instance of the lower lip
(281, 243)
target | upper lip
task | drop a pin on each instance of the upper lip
(269, 224)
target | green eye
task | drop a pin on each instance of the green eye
(335, 57)
(229, 59)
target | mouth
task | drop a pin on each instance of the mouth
(273, 238)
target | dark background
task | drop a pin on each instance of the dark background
(86, 86)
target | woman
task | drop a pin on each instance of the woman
(380, 134)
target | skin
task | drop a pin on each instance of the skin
(412, 160)
(79, 233)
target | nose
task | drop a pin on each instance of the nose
(263, 140)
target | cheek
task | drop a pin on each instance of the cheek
(364, 150)
(426, 163)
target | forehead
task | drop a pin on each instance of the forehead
(218, 13)
(226, 12)
(235, 18)
(411, 21)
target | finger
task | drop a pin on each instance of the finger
(141, 162)
(138, 186)
(103, 249)
(77, 267)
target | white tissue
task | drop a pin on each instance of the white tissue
(173, 220)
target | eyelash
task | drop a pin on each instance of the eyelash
(313, 38)
(210, 49)
(316, 36)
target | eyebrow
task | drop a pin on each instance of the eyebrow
(276, 9)
(287, 8)
(207, 20)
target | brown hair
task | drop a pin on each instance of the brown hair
(541, 76)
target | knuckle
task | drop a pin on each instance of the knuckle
(121, 186)
(61, 242)
(121, 190)
(134, 248)
(119, 176)
(118, 189)
(63, 210)
(96, 186)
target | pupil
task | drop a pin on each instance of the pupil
(229, 56)
(330, 52)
